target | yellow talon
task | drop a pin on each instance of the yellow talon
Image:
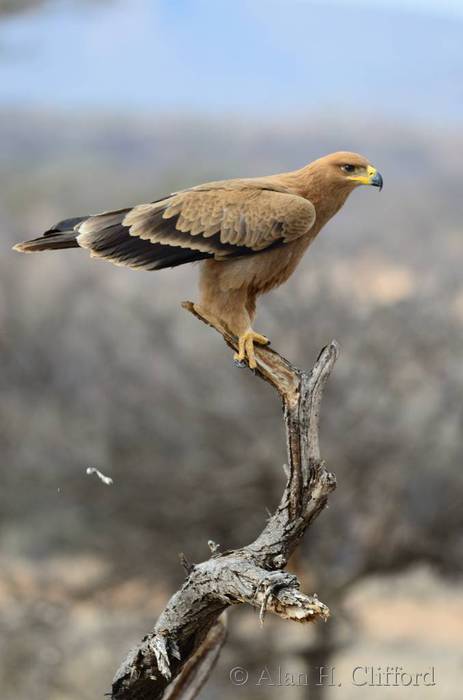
(246, 347)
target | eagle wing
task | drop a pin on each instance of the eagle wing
(216, 220)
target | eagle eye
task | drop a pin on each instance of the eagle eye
(348, 168)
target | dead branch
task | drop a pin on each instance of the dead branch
(187, 629)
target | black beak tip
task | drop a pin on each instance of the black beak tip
(378, 181)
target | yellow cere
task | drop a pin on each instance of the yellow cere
(365, 179)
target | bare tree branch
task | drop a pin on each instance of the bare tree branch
(253, 574)
(198, 668)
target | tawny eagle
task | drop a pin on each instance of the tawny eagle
(250, 234)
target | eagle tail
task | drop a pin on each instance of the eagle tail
(62, 235)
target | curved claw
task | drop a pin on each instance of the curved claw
(246, 347)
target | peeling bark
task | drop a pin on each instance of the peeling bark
(175, 659)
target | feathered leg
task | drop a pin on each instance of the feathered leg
(236, 309)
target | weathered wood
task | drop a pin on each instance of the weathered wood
(182, 641)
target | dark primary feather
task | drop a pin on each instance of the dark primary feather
(107, 237)
(117, 245)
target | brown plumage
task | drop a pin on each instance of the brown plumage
(250, 233)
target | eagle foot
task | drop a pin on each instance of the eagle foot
(246, 347)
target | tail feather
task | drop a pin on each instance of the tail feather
(49, 242)
(61, 235)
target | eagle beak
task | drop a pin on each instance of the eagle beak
(373, 178)
(376, 179)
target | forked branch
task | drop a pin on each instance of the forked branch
(170, 661)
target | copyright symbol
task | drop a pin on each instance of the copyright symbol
(239, 675)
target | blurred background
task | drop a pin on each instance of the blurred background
(106, 103)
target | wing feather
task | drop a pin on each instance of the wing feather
(219, 220)
(253, 218)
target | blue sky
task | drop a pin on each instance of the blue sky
(441, 7)
(396, 58)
